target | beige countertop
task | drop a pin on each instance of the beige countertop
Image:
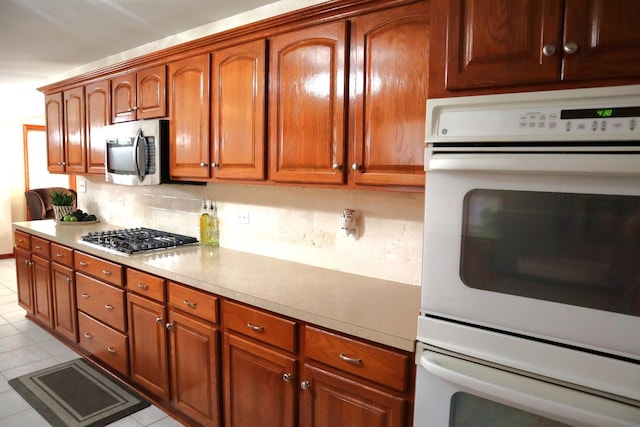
(378, 310)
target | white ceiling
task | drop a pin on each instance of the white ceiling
(42, 40)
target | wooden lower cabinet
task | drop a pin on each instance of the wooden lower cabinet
(259, 384)
(331, 400)
(194, 365)
(64, 302)
(42, 299)
(148, 345)
(23, 277)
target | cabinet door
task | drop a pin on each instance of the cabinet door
(64, 302)
(123, 98)
(307, 81)
(195, 367)
(98, 103)
(42, 300)
(55, 132)
(74, 131)
(189, 111)
(259, 385)
(148, 345)
(607, 35)
(500, 42)
(238, 105)
(391, 58)
(151, 93)
(333, 401)
(23, 276)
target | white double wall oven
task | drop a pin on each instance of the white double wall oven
(531, 277)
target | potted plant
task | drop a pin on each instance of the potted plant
(62, 204)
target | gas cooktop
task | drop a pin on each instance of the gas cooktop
(133, 240)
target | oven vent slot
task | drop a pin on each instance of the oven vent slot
(584, 158)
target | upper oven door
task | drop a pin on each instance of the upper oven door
(550, 256)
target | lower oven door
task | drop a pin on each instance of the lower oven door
(452, 391)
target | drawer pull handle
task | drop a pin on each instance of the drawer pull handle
(190, 304)
(143, 286)
(38, 247)
(111, 350)
(106, 272)
(83, 263)
(86, 296)
(350, 359)
(255, 328)
(88, 336)
(305, 385)
(109, 307)
(59, 255)
(287, 377)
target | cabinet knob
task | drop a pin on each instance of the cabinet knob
(335, 167)
(305, 385)
(169, 326)
(64, 163)
(548, 50)
(355, 166)
(159, 319)
(135, 108)
(26, 261)
(203, 165)
(570, 48)
(287, 377)
(215, 165)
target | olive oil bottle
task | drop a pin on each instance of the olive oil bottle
(205, 221)
(213, 235)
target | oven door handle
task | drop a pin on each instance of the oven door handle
(554, 401)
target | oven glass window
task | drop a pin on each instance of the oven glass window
(578, 249)
(468, 410)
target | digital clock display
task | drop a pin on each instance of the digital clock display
(600, 113)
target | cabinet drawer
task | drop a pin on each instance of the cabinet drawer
(193, 301)
(145, 284)
(106, 344)
(23, 240)
(40, 247)
(365, 360)
(104, 270)
(62, 254)
(262, 326)
(102, 301)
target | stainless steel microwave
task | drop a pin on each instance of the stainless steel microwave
(134, 153)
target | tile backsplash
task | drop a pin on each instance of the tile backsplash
(292, 223)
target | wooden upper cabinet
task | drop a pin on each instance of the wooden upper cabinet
(238, 112)
(390, 53)
(307, 83)
(151, 92)
(55, 132)
(98, 107)
(607, 36)
(74, 131)
(123, 98)
(140, 95)
(493, 43)
(189, 106)
(500, 42)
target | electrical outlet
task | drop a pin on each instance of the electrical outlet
(243, 217)
(120, 201)
(82, 185)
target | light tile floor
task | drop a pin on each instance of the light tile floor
(25, 347)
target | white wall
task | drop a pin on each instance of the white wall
(293, 223)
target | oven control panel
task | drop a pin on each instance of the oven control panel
(594, 114)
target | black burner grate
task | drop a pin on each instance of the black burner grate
(132, 240)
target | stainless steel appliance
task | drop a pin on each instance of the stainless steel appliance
(133, 240)
(531, 275)
(135, 153)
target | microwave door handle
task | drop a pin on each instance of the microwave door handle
(565, 404)
(138, 156)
